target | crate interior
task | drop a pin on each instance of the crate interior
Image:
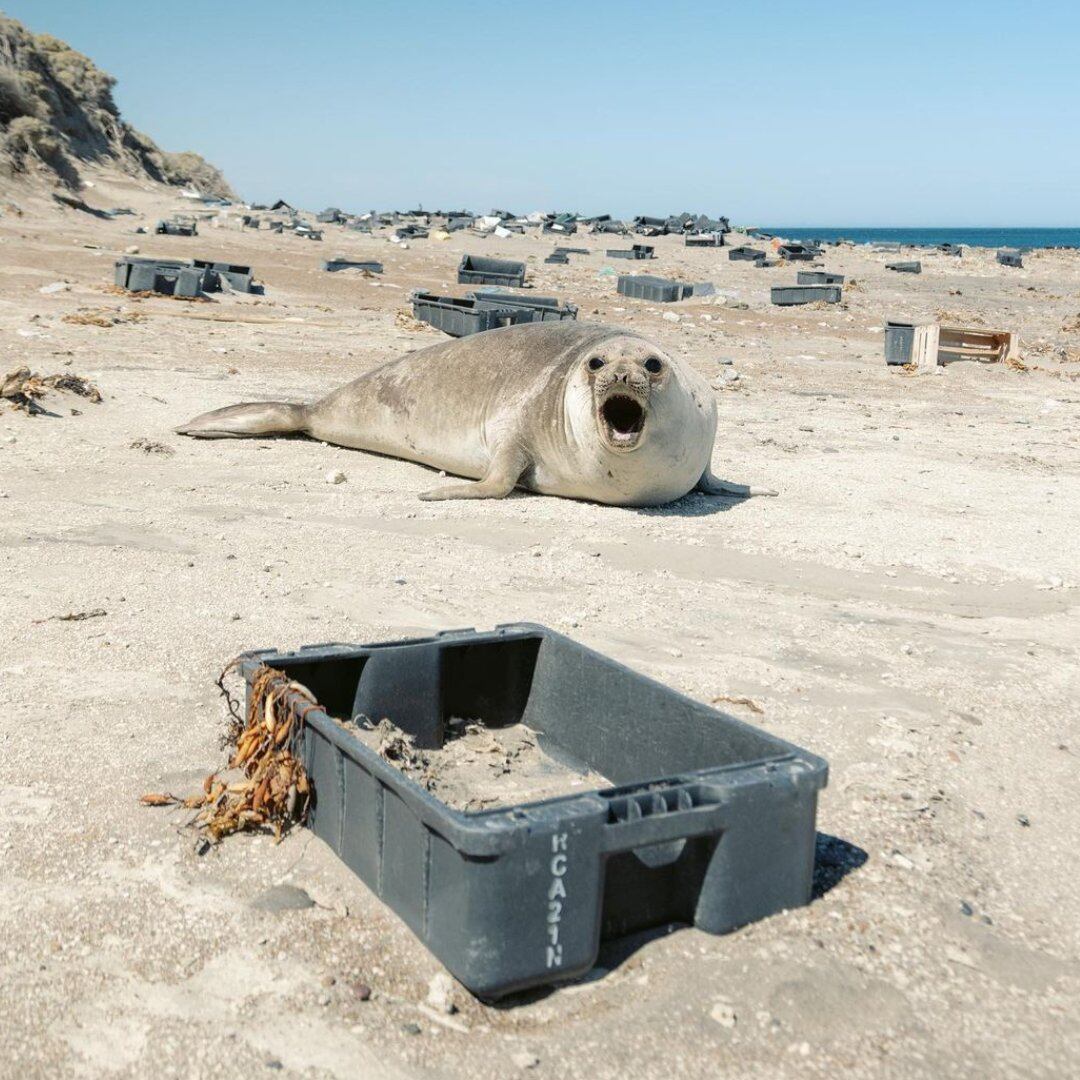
(587, 710)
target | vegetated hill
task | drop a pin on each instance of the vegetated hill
(57, 113)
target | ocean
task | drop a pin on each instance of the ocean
(991, 238)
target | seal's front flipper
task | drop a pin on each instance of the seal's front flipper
(710, 485)
(243, 421)
(501, 478)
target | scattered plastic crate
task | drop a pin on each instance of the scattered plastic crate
(479, 270)
(370, 265)
(483, 310)
(166, 276)
(648, 287)
(459, 317)
(899, 342)
(176, 228)
(745, 254)
(708, 820)
(786, 295)
(796, 253)
(912, 267)
(239, 278)
(704, 239)
(525, 308)
(1009, 257)
(558, 257)
(636, 251)
(818, 277)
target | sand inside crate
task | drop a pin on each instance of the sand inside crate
(477, 767)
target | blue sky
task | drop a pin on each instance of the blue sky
(817, 113)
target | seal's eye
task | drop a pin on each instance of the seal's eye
(596, 363)
(653, 366)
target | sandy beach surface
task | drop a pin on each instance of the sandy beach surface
(907, 608)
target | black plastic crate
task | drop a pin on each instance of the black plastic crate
(525, 308)
(1008, 257)
(796, 253)
(818, 277)
(910, 267)
(170, 277)
(786, 295)
(479, 270)
(708, 820)
(635, 251)
(649, 287)
(176, 228)
(746, 254)
(238, 277)
(899, 342)
(458, 316)
(559, 257)
(334, 265)
(704, 239)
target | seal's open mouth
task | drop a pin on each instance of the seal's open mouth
(622, 419)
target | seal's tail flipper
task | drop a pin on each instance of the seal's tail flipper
(711, 485)
(243, 421)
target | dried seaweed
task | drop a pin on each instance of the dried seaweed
(272, 790)
(22, 388)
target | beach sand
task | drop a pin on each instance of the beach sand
(907, 608)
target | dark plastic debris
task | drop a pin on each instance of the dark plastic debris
(912, 267)
(370, 265)
(796, 253)
(708, 820)
(818, 277)
(486, 310)
(478, 270)
(637, 251)
(1010, 257)
(649, 287)
(746, 254)
(786, 295)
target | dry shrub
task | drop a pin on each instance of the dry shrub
(16, 100)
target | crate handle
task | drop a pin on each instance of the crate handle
(648, 818)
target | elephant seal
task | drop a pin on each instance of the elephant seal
(580, 410)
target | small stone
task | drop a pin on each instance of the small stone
(55, 287)
(726, 361)
(399, 581)
(966, 908)
(336, 477)
(271, 1062)
(524, 1059)
(361, 990)
(440, 995)
(133, 250)
(1023, 820)
(411, 1029)
(670, 316)
(723, 1013)
(327, 981)
(902, 861)
(324, 998)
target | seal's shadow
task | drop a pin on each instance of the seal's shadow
(694, 505)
